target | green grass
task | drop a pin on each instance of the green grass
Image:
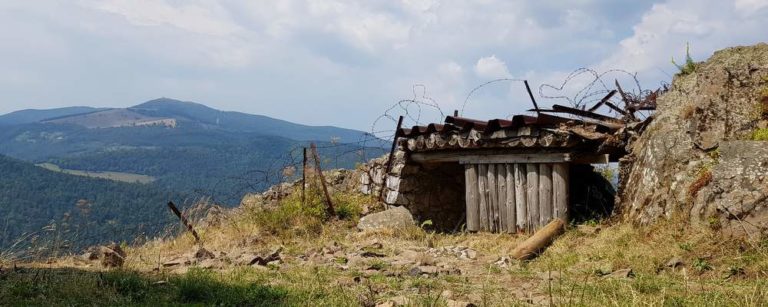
(760, 135)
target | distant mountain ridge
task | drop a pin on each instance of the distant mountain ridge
(169, 112)
(33, 115)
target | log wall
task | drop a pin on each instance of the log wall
(515, 197)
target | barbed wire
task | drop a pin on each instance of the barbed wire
(271, 170)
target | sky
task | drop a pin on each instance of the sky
(345, 63)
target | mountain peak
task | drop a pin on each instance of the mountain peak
(168, 102)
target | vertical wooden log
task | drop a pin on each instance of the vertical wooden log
(511, 204)
(521, 199)
(471, 198)
(545, 193)
(493, 199)
(304, 179)
(560, 189)
(532, 171)
(482, 187)
(501, 191)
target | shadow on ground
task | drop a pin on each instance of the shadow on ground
(73, 287)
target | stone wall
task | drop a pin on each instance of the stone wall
(432, 192)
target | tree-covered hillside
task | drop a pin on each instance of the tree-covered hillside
(37, 203)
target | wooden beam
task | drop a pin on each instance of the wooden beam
(501, 183)
(545, 193)
(488, 157)
(521, 190)
(532, 171)
(511, 203)
(493, 199)
(482, 186)
(560, 190)
(471, 198)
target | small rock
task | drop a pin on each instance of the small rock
(468, 254)
(452, 303)
(423, 270)
(203, 254)
(178, 261)
(112, 256)
(446, 294)
(674, 262)
(620, 274)
(395, 218)
(370, 254)
(503, 262)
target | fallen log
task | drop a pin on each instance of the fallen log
(531, 247)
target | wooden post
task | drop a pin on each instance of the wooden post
(470, 184)
(533, 195)
(184, 221)
(328, 201)
(560, 186)
(493, 199)
(501, 183)
(545, 193)
(511, 204)
(521, 199)
(482, 187)
(304, 178)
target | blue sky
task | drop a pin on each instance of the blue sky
(343, 63)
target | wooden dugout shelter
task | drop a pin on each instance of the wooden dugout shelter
(517, 173)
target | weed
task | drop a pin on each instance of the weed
(689, 66)
(701, 265)
(685, 246)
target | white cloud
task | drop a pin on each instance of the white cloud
(666, 28)
(275, 57)
(491, 67)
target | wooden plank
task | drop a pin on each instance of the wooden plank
(545, 193)
(501, 192)
(493, 199)
(471, 198)
(516, 158)
(521, 190)
(488, 156)
(511, 205)
(560, 185)
(482, 186)
(532, 171)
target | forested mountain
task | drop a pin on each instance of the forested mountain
(186, 146)
(73, 207)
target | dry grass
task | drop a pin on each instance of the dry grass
(716, 270)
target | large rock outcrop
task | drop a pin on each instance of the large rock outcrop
(697, 159)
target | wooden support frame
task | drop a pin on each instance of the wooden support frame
(504, 157)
